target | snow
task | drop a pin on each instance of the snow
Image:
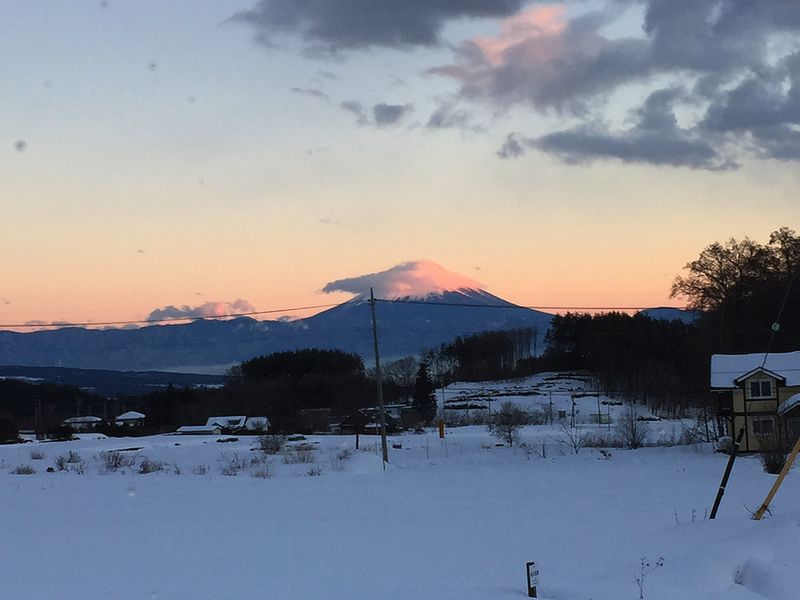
(726, 368)
(452, 520)
(788, 404)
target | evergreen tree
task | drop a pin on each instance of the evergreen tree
(424, 396)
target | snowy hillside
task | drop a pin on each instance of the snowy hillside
(453, 520)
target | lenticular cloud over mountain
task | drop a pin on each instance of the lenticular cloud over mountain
(415, 279)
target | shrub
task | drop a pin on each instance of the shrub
(150, 466)
(37, 454)
(23, 470)
(113, 460)
(271, 444)
(339, 458)
(300, 454)
(314, 471)
(200, 469)
(71, 461)
(262, 472)
(632, 431)
(231, 464)
(774, 454)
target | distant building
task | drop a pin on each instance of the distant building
(761, 395)
(227, 423)
(199, 430)
(83, 423)
(130, 419)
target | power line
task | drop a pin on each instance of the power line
(165, 319)
(29, 325)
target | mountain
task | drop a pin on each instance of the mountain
(406, 324)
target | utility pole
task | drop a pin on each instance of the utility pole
(379, 380)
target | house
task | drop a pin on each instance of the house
(199, 430)
(761, 394)
(83, 423)
(130, 419)
(257, 424)
(366, 421)
(227, 423)
(237, 424)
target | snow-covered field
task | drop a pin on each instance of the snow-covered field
(444, 521)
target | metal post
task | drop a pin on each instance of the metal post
(379, 381)
(532, 571)
(727, 474)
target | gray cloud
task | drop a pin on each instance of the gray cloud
(312, 92)
(380, 115)
(355, 108)
(740, 61)
(208, 309)
(448, 116)
(512, 148)
(390, 114)
(546, 62)
(655, 138)
(334, 25)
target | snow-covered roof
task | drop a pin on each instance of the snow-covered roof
(131, 415)
(236, 421)
(257, 422)
(197, 428)
(791, 402)
(727, 368)
(76, 420)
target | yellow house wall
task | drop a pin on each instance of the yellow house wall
(751, 442)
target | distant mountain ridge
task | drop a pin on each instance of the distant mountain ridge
(406, 325)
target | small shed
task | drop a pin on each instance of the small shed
(83, 423)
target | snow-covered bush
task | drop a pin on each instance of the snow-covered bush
(149, 465)
(37, 454)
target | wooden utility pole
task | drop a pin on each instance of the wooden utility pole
(786, 466)
(379, 380)
(727, 473)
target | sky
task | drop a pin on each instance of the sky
(217, 156)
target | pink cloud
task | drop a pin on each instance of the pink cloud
(540, 28)
(209, 309)
(543, 58)
(411, 279)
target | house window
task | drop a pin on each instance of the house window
(764, 426)
(760, 388)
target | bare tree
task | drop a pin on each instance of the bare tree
(573, 438)
(631, 431)
(506, 422)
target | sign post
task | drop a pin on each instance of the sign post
(533, 578)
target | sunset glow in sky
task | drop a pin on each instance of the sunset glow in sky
(233, 154)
